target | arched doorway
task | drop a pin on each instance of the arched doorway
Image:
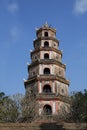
(47, 110)
(47, 89)
(46, 56)
(46, 44)
(46, 71)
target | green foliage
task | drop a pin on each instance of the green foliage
(25, 108)
(18, 108)
(78, 109)
(8, 109)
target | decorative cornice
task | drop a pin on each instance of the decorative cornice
(46, 28)
(46, 38)
(48, 97)
(48, 61)
(30, 80)
(47, 49)
(53, 77)
(46, 78)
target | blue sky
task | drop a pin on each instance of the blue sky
(18, 20)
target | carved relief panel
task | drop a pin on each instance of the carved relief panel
(33, 71)
(37, 45)
(61, 88)
(56, 56)
(59, 71)
(35, 56)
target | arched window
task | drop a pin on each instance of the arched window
(46, 56)
(46, 71)
(46, 44)
(62, 90)
(47, 110)
(46, 34)
(47, 89)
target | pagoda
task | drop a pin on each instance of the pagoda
(47, 73)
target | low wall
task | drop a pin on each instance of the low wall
(43, 126)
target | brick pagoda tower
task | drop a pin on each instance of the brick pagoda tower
(47, 73)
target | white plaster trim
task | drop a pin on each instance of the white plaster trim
(40, 111)
(54, 107)
(53, 87)
(40, 88)
(50, 55)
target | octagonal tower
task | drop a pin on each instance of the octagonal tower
(47, 72)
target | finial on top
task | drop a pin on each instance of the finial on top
(46, 24)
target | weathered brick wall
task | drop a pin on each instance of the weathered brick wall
(43, 126)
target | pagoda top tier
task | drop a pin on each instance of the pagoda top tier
(45, 27)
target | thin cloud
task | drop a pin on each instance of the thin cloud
(13, 7)
(80, 6)
(15, 32)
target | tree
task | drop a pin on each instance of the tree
(8, 109)
(78, 111)
(2, 99)
(18, 98)
(63, 113)
(29, 107)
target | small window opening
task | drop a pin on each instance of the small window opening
(46, 56)
(35, 57)
(47, 110)
(47, 89)
(60, 72)
(46, 34)
(62, 90)
(46, 71)
(54, 44)
(33, 73)
(46, 44)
